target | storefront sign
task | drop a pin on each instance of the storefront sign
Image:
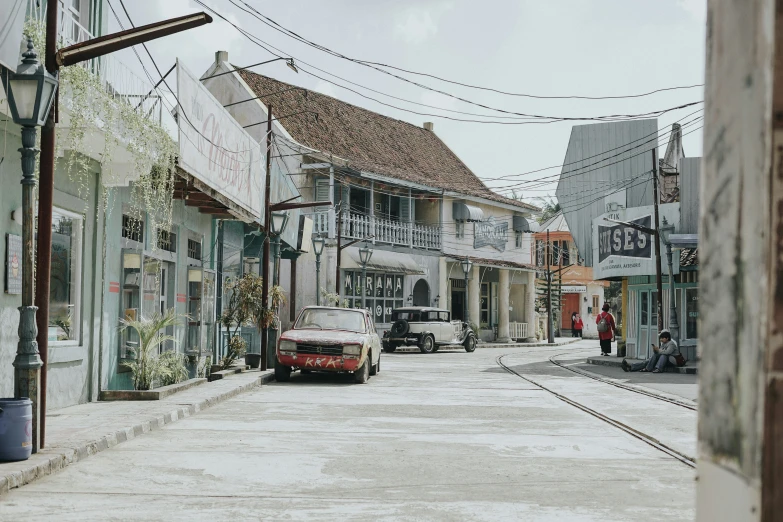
(573, 289)
(623, 251)
(489, 233)
(214, 148)
(13, 264)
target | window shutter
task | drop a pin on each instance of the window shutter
(322, 189)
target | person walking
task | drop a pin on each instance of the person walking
(606, 329)
(578, 326)
(573, 325)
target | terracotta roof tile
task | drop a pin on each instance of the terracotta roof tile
(372, 142)
(689, 257)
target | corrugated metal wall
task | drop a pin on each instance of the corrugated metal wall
(601, 159)
(690, 176)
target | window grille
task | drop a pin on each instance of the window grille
(194, 249)
(167, 240)
(132, 228)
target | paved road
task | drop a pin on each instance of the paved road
(448, 436)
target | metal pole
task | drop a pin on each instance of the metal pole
(267, 226)
(364, 284)
(674, 324)
(28, 363)
(465, 301)
(658, 268)
(45, 201)
(276, 260)
(550, 337)
(339, 252)
(318, 280)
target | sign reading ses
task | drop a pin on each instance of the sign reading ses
(214, 147)
(622, 240)
(488, 233)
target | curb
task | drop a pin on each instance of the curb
(413, 349)
(63, 459)
(617, 363)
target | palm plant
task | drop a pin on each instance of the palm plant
(549, 208)
(150, 331)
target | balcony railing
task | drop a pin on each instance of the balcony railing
(115, 77)
(382, 230)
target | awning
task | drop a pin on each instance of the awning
(385, 261)
(521, 224)
(465, 212)
(684, 240)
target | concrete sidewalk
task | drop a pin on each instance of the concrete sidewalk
(559, 341)
(76, 432)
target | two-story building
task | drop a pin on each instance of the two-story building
(399, 190)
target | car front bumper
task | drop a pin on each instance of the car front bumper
(333, 363)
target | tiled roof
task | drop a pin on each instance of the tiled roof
(497, 262)
(689, 257)
(372, 142)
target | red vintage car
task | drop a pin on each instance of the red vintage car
(330, 340)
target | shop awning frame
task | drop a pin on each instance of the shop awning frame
(196, 193)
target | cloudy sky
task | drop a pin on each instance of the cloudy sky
(553, 48)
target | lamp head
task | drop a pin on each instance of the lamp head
(279, 220)
(291, 65)
(30, 90)
(467, 266)
(318, 245)
(365, 254)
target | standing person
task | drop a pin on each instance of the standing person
(573, 325)
(578, 326)
(606, 329)
(665, 354)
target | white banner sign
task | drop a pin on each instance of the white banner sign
(12, 14)
(620, 250)
(573, 289)
(214, 148)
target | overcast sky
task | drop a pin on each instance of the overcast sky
(553, 48)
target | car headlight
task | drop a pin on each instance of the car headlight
(287, 346)
(352, 349)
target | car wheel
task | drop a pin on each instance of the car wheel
(399, 328)
(378, 366)
(306, 372)
(282, 372)
(362, 374)
(470, 344)
(389, 349)
(427, 344)
(373, 369)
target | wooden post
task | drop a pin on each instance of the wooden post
(267, 226)
(657, 237)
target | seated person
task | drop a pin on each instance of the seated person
(663, 355)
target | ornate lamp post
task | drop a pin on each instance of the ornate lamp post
(365, 254)
(665, 231)
(467, 266)
(31, 92)
(278, 223)
(318, 249)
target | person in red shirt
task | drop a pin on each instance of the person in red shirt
(578, 326)
(608, 334)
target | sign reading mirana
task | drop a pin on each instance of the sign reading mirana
(489, 233)
(622, 251)
(214, 148)
(622, 240)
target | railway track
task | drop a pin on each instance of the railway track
(616, 384)
(647, 439)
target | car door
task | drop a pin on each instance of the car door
(446, 328)
(374, 341)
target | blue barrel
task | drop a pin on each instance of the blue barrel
(16, 429)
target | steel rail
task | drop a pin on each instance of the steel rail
(620, 385)
(647, 439)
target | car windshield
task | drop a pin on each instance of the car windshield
(406, 315)
(329, 319)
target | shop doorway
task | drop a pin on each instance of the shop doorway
(570, 306)
(648, 322)
(457, 305)
(421, 293)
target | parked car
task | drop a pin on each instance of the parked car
(427, 328)
(330, 339)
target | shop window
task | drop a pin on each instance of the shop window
(65, 280)
(167, 240)
(484, 305)
(596, 304)
(565, 253)
(460, 230)
(518, 240)
(194, 249)
(382, 293)
(132, 228)
(692, 312)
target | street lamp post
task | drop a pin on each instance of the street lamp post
(467, 266)
(31, 92)
(279, 221)
(318, 249)
(674, 324)
(365, 254)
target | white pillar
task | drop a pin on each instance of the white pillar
(330, 215)
(530, 306)
(443, 283)
(474, 296)
(504, 289)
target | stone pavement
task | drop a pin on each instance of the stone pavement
(691, 368)
(680, 384)
(76, 432)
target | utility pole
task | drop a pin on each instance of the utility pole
(549, 324)
(339, 250)
(267, 226)
(657, 236)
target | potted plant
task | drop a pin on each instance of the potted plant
(144, 367)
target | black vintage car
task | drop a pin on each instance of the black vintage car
(428, 328)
